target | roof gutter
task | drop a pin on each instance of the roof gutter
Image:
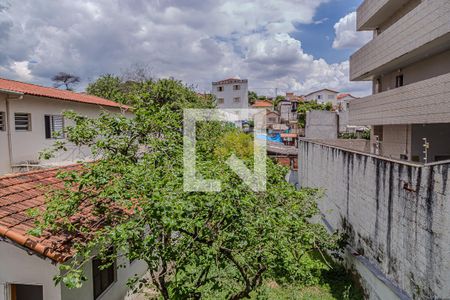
(30, 244)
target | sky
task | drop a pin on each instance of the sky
(285, 45)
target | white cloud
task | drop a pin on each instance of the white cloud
(197, 41)
(346, 35)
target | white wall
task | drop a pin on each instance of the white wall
(228, 94)
(324, 95)
(117, 291)
(17, 266)
(26, 145)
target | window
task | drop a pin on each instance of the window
(236, 87)
(26, 292)
(54, 126)
(330, 97)
(102, 278)
(22, 121)
(220, 101)
(220, 88)
(399, 81)
(2, 121)
(272, 120)
(378, 86)
(237, 100)
(378, 131)
(319, 97)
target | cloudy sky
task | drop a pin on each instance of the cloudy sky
(292, 45)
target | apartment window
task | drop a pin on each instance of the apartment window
(378, 131)
(220, 88)
(378, 86)
(22, 121)
(54, 126)
(26, 292)
(103, 278)
(237, 100)
(220, 101)
(399, 81)
(2, 121)
(236, 87)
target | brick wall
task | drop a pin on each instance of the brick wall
(397, 215)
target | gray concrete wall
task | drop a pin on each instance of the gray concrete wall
(321, 125)
(396, 216)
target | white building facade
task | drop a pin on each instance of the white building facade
(231, 93)
(30, 116)
(323, 96)
(408, 62)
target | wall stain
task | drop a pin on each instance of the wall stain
(390, 209)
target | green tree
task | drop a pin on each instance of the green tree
(110, 87)
(195, 244)
(304, 107)
(65, 79)
(252, 97)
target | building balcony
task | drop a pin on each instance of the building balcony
(420, 33)
(423, 102)
(372, 13)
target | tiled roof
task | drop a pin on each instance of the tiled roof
(341, 96)
(24, 191)
(37, 90)
(262, 103)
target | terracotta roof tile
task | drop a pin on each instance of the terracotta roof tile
(37, 90)
(22, 192)
(262, 103)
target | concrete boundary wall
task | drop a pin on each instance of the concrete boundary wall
(397, 216)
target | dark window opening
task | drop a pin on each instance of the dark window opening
(378, 131)
(2, 121)
(103, 277)
(26, 292)
(54, 126)
(399, 81)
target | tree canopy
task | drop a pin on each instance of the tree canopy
(65, 79)
(196, 245)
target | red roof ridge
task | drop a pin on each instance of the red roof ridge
(51, 92)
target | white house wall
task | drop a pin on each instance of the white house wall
(26, 145)
(117, 291)
(17, 266)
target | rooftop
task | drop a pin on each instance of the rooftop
(230, 80)
(262, 103)
(24, 191)
(333, 91)
(12, 86)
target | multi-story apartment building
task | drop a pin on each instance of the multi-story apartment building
(231, 93)
(31, 117)
(408, 61)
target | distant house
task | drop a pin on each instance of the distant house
(272, 117)
(28, 263)
(288, 111)
(31, 118)
(264, 104)
(323, 96)
(343, 101)
(231, 93)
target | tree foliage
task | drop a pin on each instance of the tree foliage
(252, 97)
(304, 107)
(195, 244)
(65, 79)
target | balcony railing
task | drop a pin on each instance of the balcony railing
(423, 102)
(420, 32)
